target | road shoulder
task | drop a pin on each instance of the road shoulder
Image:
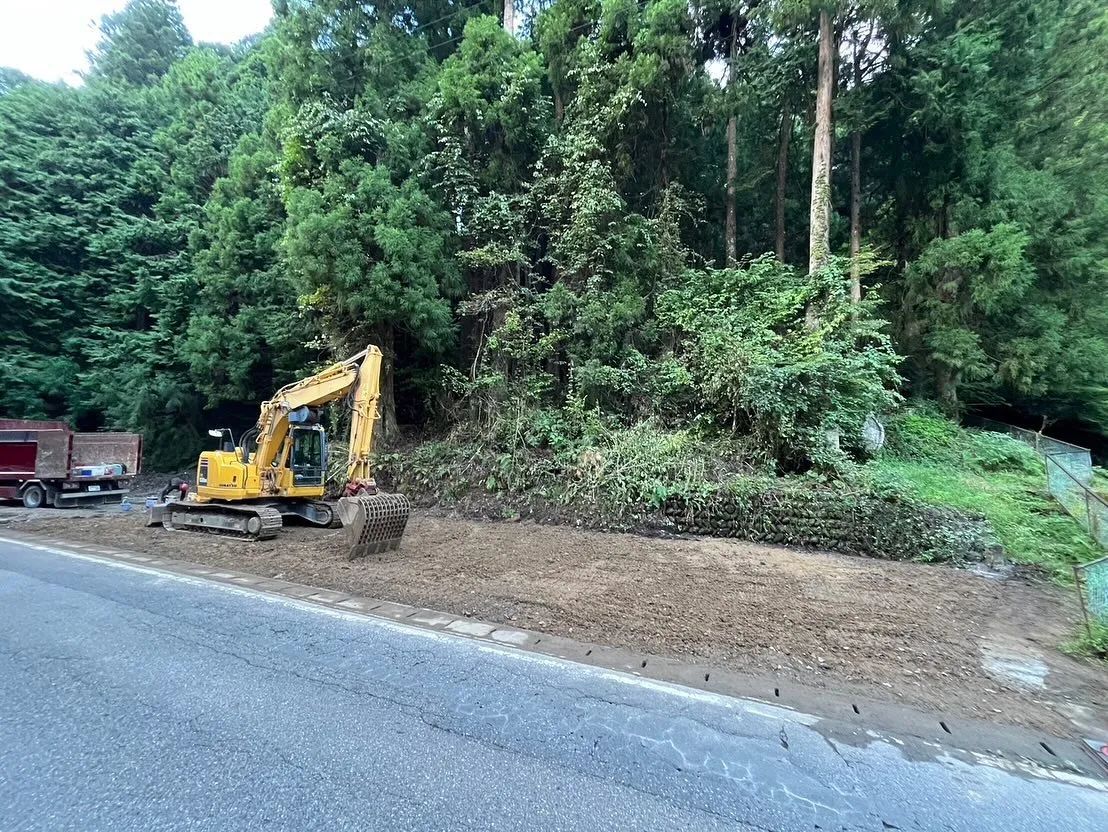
(840, 718)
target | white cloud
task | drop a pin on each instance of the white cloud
(49, 38)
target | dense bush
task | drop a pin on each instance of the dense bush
(734, 357)
(762, 366)
(987, 451)
(921, 434)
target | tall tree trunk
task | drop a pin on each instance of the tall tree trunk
(387, 431)
(664, 161)
(730, 242)
(856, 183)
(947, 381)
(782, 178)
(855, 216)
(819, 241)
(509, 16)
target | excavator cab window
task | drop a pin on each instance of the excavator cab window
(308, 462)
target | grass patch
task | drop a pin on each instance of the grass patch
(1100, 481)
(1091, 641)
(988, 474)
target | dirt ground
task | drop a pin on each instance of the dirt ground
(925, 635)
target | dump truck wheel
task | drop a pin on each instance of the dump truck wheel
(34, 495)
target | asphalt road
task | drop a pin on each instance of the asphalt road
(131, 700)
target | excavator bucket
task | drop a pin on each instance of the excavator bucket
(375, 523)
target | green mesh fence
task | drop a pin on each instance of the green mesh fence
(1069, 475)
(1068, 478)
(1092, 582)
(1045, 445)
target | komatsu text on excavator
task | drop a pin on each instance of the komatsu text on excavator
(278, 468)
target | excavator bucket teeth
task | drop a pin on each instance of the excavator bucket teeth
(374, 524)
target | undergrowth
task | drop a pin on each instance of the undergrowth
(934, 460)
(614, 471)
(582, 468)
(1089, 641)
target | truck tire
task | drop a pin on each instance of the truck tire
(34, 496)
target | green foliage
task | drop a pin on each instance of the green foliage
(918, 434)
(987, 451)
(529, 226)
(1089, 641)
(370, 252)
(646, 466)
(140, 43)
(987, 474)
(964, 291)
(758, 366)
(245, 334)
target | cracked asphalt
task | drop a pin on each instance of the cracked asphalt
(136, 700)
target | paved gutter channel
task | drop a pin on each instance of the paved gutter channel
(849, 719)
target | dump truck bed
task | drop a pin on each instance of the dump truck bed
(71, 467)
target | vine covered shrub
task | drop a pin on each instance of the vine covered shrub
(761, 355)
(784, 357)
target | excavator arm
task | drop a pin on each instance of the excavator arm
(361, 374)
(367, 393)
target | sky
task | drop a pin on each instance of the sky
(48, 38)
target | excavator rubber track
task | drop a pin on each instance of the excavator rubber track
(242, 521)
(373, 523)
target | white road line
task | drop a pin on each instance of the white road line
(754, 707)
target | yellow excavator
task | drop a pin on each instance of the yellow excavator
(279, 467)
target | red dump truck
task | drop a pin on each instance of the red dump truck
(47, 464)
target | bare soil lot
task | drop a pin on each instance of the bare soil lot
(914, 633)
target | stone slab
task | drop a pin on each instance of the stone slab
(431, 618)
(470, 628)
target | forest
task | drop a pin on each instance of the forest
(761, 222)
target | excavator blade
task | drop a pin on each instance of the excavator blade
(374, 524)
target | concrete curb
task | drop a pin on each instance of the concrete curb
(842, 718)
